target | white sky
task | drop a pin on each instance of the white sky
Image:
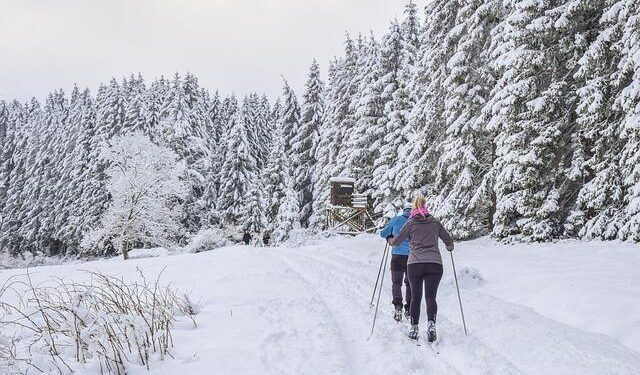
(235, 46)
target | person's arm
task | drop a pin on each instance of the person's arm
(404, 233)
(445, 237)
(388, 230)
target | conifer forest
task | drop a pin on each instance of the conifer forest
(518, 119)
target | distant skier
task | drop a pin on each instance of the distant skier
(266, 237)
(424, 265)
(399, 256)
(246, 237)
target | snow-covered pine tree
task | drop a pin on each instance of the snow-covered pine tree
(597, 157)
(396, 99)
(405, 98)
(274, 177)
(289, 115)
(627, 77)
(337, 100)
(66, 186)
(280, 201)
(154, 98)
(465, 153)
(528, 113)
(438, 37)
(91, 196)
(110, 109)
(266, 126)
(304, 142)
(11, 174)
(217, 147)
(182, 127)
(410, 31)
(135, 112)
(288, 217)
(237, 175)
(4, 120)
(20, 173)
(43, 195)
(360, 147)
(145, 183)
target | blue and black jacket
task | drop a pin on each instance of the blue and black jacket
(393, 228)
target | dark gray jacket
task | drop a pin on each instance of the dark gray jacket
(423, 233)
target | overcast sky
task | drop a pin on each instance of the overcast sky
(235, 46)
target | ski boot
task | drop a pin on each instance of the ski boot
(414, 332)
(397, 315)
(431, 331)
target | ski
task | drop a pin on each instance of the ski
(416, 342)
(434, 346)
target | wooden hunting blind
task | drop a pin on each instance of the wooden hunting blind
(348, 211)
(342, 191)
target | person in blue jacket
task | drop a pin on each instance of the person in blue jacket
(399, 256)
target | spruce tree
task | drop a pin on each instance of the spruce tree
(360, 146)
(389, 129)
(289, 116)
(465, 153)
(237, 175)
(304, 143)
(599, 200)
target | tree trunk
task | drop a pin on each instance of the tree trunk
(125, 250)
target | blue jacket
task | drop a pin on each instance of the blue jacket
(393, 228)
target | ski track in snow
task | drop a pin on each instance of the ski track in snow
(305, 311)
(506, 338)
(342, 278)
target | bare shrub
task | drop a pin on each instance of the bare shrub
(106, 322)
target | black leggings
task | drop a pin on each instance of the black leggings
(428, 274)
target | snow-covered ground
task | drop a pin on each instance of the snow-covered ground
(565, 308)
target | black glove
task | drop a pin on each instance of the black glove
(390, 239)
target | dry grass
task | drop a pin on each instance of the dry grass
(55, 327)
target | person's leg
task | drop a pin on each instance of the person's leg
(396, 280)
(415, 274)
(432, 279)
(407, 286)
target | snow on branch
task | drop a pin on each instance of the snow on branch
(146, 185)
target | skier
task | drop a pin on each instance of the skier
(424, 266)
(266, 237)
(246, 237)
(399, 256)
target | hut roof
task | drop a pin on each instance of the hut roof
(343, 179)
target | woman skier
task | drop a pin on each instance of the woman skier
(424, 266)
(399, 257)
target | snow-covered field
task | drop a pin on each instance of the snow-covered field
(565, 308)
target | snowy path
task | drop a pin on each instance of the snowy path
(306, 311)
(506, 338)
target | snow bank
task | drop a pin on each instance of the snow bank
(26, 260)
(592, 286)
(207, 239)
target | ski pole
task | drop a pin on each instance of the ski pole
(455, 276)
(384, 269)
(386, 247)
